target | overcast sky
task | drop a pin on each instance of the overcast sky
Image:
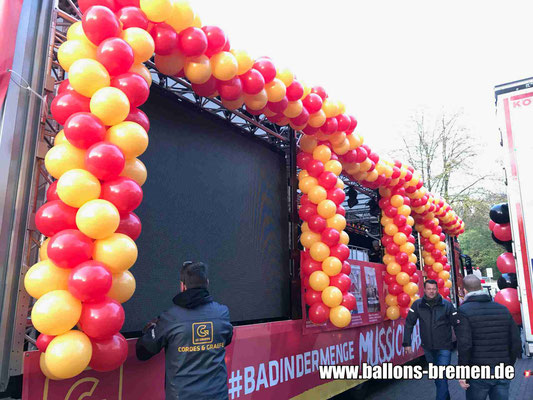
(389, 59)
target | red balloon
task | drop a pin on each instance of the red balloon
(312, 297)
(336, 195)
(43, 341)
(503, 232)
(83, 129)
(206, 89)
(506, 263)
(407, 229)
(353, 125)
(99, 23)
(101, 319)
(330, 126)
(414, 278)
(109, 354)
(403, 299)
(409, 268)
(230, 90)
(278, 106)
(116, 55)
(342, 281)
(386, 240)
(316, 223)
(266, 67)
(252, 81)
(192, 42)
(134, 87)
(104, 160)
(216, 40)
(306, 282)
(295, 91)
(127, 3)
(404, 311)
(312, 102)
(402, 258)
(343, 122)
(330, 236)
(433, 275)
(139, 117)
(302, 159)
(309, 266)
(165, 38)
(396, 289)
(55, 216)
(517, 318)
(349, 301)
(400, 220)
(390, 279)
(67, 104)
(69, 248)
(392, 249)
(361, 155)
(491, 225)
(391, 211)
(227, 46)
(327, 180)
(341, 251)
(440, 283)
(124, 193)
(445, 291)
(302, 120)
(130, 225)
(315, 168)
(64, 87)
(318, 313)
(346, 268)
(84, 5)
(51, 192)
(90, 281)
(132, 17)
(319, 90)
(307, 211)
(341, 211)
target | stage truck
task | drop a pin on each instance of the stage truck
(222, 189)
(514, 102)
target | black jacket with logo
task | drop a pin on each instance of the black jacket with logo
(487, 333)
(193, 333)
(435, 323)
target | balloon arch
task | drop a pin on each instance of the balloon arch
(82, 277)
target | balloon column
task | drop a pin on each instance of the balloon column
(500, 226)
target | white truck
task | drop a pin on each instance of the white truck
(514, 102)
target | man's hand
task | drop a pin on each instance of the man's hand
(150, 325)
(463, 384)
(408, 350)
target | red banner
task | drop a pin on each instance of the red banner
(9, 22)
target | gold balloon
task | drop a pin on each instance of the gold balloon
(333, 166)
(244, 61)
(319, 251)
(180, 16)
(55, 313)
(332, 296)
(87, 76)
(402, 278)
(156, 10)
(327, 209)
(43, 250)
(198, 69)
(316, 120)
(411, 288)
(62, 158)
(330, 108)
(68, 354)
(391, 229)
(317, 194)
(391, 300)
(294, 108)
(307, 183)
(118, 252)
(170, 64)
(340, 316)
(123, 287)
(308, 144)
(73, 50)
(130, 137)
(276, 90)
(141, 42)
(338, 222)
(256, 101)
(318, 281)
(332, 266)
(143, 71)
(224, 66)
(75, 32)
(396, 201)
(98, 219)
(78, 186)
(44, 369)
(60, 138)
(393, 312)
(45, 277)
(394, 268)
(307, 239)
(111, 105)
(136, 170)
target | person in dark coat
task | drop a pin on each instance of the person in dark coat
(437, 316)
(194, 333)
(487, 335)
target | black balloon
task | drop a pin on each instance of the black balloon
(500, 213)
(507, 281)
(508, 245)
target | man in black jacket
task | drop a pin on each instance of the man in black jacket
(487, 335)
(437, 316)
(193, 333)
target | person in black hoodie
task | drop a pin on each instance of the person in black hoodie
(437, 316)
(194, 333)
(487, 335)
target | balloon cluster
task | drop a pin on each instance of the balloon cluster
(500, 227)
(82, 277)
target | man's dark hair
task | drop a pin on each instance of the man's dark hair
(194, 274)
(431, 282)
(471, 283)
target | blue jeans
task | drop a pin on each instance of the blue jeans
(440, 357)
(496, 389)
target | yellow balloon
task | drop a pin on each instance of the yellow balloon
(60, 138)
(322, 153)
(181, 15)
(332, 266)
(391, 300)
(355, 142)
(197, 23)
(170, 64)
(404, 210)
(344, 148)
(256, 101)
(391, 229)
(330, 108)
(307, 183)
(316, 120)
(286, 76)
(437, 267)
(130, 137)
(141, 42)
(118, 252)
(55, 312)
(136, 170)
(244, 61)
(45, 277)
(68, 354)
(78, 186)
(318, 281)
(156, 10)
(336, 139)
(235, 104)
(345, 238)
(340, 316)
(332, 296)
(388, 258)
(426, 233)
(302, 174)
(326, 209)
(333, 166)
(276, 90)
(317, 194)
(43, 250)
(98, 219)
(86, 76)
(110, 105)
(386, 220)
(62, 158)
(308, 143)
(305, 227)
(75, 32)
(143, 71)
(294, 108)
(198, 69)
(123, 287)
(337, 222)
(393, 312)
(73, 50)
(394, 268)
(400, 238)
(448, 284)
(339, 184)
(307, 239)
(444, 275)
(410, 221)
(429, 260)
(434, 239)
(319, 251)
(412, 258)
(396, 201)
(402, 278)
(411, 288)
(44, 369)
(224, 66)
